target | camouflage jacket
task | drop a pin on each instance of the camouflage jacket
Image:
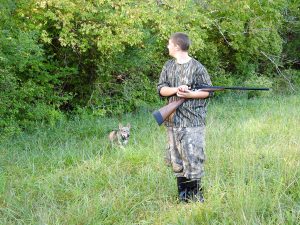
(192, 112)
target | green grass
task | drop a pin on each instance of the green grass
(69, 174)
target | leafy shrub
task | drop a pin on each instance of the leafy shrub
(29, 84)
(287, 81)
(259, 81)
(106, 56)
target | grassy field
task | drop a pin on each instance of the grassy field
(69, 174)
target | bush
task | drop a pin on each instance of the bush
(259, 81)
(30, 88)
(106, 56)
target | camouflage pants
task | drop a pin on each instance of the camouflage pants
(185, 151)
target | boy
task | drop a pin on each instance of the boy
(186, 126)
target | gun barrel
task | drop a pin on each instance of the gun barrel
(220, 88)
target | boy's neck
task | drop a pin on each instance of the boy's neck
(182, 57)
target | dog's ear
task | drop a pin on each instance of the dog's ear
(120, 125)
(128, 125)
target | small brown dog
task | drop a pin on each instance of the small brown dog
(120, 136)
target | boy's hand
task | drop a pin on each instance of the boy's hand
(183, 88)
(184, 92)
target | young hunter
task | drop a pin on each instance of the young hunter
(186, 126)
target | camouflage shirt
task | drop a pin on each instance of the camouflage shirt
(192, 112)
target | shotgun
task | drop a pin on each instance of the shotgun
(162, 114)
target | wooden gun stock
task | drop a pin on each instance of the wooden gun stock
(163, 113)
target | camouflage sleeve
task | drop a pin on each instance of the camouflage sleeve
(163, 80)
(203, 78)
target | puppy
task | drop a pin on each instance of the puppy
(120, 136)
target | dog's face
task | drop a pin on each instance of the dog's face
(124, 132)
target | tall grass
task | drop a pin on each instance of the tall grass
(69, 174)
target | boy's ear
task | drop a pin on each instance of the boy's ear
(177, 47)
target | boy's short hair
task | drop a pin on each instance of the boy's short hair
(182, 40)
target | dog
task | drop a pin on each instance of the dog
(120, 136)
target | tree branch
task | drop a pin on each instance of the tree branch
(278, 70)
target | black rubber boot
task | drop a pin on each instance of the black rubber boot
(195, 191)
(182, 184)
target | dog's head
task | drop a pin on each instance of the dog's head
(125, 132)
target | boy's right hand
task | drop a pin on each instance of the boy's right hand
(183, 88)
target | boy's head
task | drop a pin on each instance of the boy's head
(181, 40)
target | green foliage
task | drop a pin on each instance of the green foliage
(8, 103)
(242, 30)
(106, 56)
(288, 81)
(259, 81)
(29, 85)
(291, 35)
(137, 91)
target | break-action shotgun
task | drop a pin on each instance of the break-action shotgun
(163, 113)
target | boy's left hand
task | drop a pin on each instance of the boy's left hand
(185, 94)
